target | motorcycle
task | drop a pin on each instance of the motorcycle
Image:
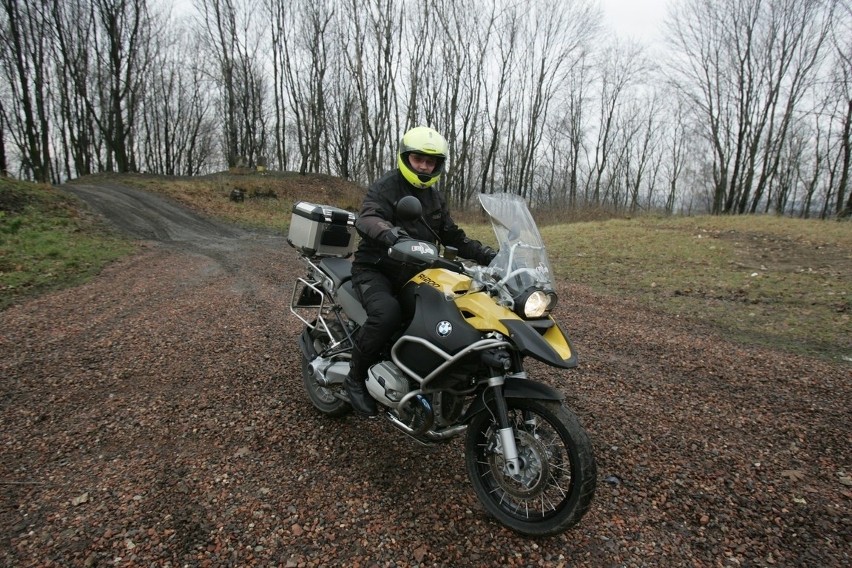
(457, 365)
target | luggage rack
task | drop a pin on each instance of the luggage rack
(308, 303)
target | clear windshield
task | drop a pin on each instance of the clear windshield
(522, 259)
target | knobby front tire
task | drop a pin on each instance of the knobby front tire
(557, 480)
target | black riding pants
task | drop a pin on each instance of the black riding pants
(378, 295)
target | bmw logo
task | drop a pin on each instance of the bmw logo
(444, 328)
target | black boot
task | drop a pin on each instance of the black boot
(359, 398)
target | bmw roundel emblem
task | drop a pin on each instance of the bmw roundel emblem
(444, 328)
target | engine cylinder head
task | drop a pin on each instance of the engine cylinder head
(387, 384)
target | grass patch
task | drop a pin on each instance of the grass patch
(762, 280)
(48, 241)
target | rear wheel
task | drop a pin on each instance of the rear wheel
(323, 398)
(557, 477)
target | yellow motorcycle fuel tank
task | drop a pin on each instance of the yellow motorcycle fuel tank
(483, 313)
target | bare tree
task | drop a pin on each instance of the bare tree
(232, 39)
(802, 29)
(104, 50)
(372, 62)
(576, 123)
(4, 164)
(644, 158)
(81, 145)
(464, 36)
(745, 66)
(219, 21)
(697, 34)
(807, 172)
(346, 157)
(421, 62)
(25, 58)
(304, 37)
(345, 152)
(676, 151)
(842, 86)
(110, 84)
(177, 126)
(558, 39)
(512, 86)
(277, 27)
(496, 87)
(621, 67)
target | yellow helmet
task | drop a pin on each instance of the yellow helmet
(426, 141)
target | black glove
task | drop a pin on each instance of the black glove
(487, 255)
(394, 235)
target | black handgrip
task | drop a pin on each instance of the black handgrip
(450, 265)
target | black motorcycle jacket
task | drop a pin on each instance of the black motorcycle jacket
(378, 226)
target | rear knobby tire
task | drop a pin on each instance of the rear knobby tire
(558, 473)
(323, 398)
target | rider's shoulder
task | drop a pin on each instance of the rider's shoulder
(390, 179)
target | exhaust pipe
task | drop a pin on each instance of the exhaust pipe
(430, 435)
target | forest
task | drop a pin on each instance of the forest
(744, 108)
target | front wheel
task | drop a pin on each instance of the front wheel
(556, 482)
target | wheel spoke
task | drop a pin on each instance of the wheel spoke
(558, 489)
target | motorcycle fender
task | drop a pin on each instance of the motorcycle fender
(515, 388)
(306, 345)
(552, 348)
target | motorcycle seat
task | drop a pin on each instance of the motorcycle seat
(340, 272)
(348, 300)
(339, 269)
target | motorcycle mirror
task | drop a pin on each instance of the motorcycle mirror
(408, 208)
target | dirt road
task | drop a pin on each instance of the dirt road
(154, 417)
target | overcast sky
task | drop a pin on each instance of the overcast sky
(640, 19)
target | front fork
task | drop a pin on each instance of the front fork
(506, 432)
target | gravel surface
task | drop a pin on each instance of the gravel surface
(155, 417)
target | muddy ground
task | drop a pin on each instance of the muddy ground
(155, 417)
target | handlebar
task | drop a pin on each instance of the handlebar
(451, 265)
(422, 255)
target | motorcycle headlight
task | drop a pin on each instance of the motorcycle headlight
(534, 303)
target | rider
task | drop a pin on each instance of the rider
(378, 279)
